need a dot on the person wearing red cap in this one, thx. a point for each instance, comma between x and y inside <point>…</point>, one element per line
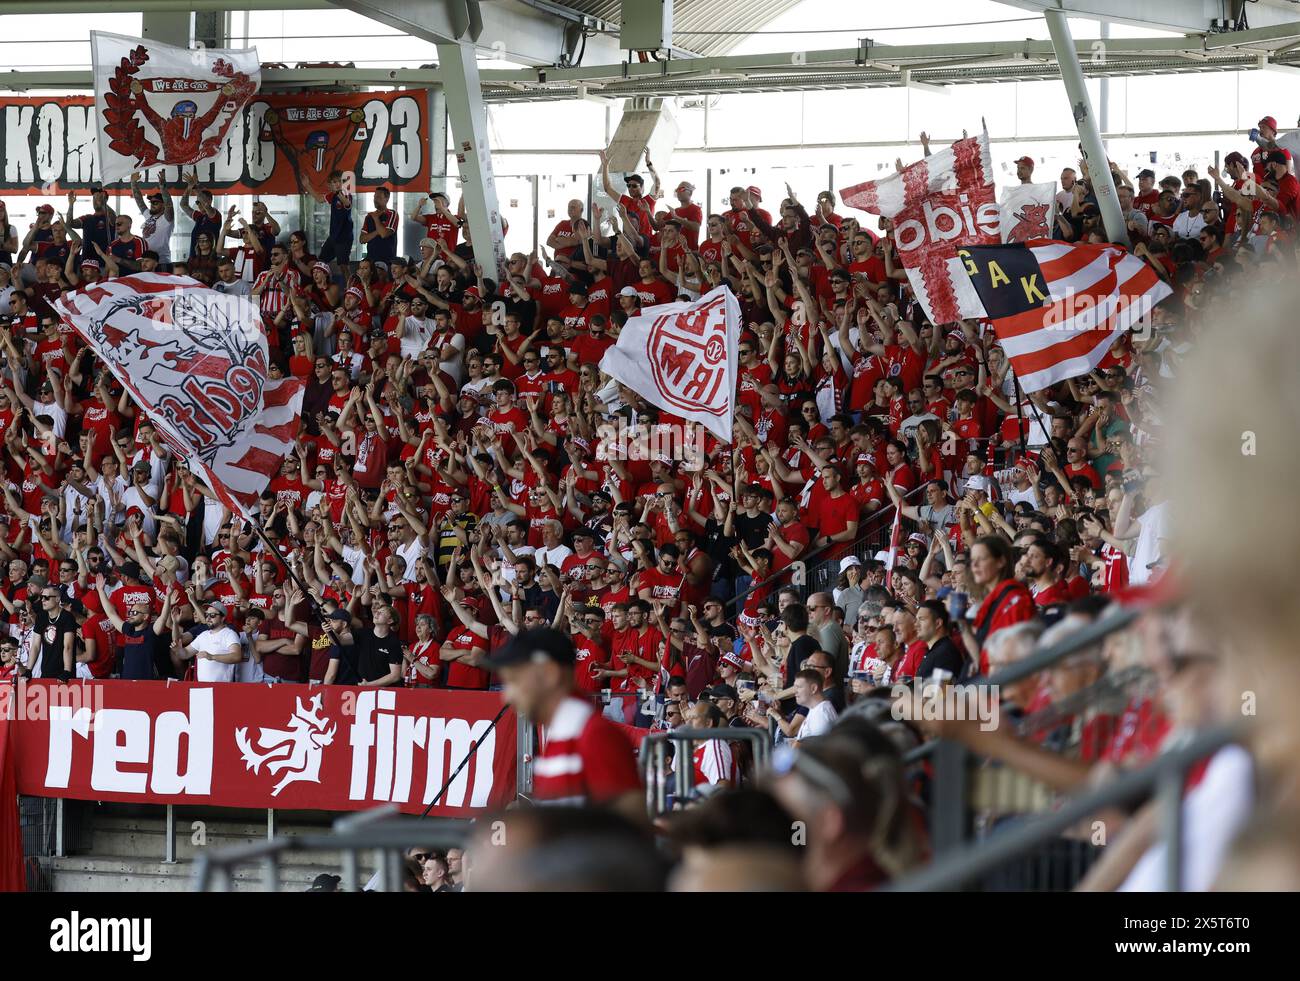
<point>1025,170</point>
<point>1264,136</point>
<point>1286,200</point>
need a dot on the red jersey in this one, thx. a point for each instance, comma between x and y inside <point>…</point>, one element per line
<point>585,759</point>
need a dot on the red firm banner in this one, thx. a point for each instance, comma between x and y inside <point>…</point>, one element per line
<point>281,143</point>
<point>294,747</point>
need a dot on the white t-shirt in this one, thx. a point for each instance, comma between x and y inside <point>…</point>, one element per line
<point>1214,811</point>
<point>157,234</point>
<point>1147,549</point>
<point>412,554</point>
<point>217,641</point>
<point>552,556</point>
<point>250,668</point>
<point>819,720</point>
<point>58,418</point>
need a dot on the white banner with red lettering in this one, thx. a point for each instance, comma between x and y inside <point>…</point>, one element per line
<point>195,361</point>
<point>938,205</point>
<point>1028,211</point>
<point>330,748</point>
<point>157,105</point>
<point>682,358</point>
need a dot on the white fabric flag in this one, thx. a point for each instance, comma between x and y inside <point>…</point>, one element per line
<point>195,361</point>
<point>161,106</point>
<point>682,358</point>
<point>1028,211</point>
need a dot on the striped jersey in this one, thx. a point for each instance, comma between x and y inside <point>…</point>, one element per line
<point>585,758</point>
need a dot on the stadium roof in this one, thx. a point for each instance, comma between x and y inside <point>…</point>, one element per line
<point>706,27</point>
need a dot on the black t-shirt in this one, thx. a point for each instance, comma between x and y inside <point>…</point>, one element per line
<point>376,655</point>
<point>346,655</point>
<point>139,647</point>
<point>942,656</point>
<point>799,651</point>
<point>752,531</point>
<point>52,635</point>
<point>94,228</point>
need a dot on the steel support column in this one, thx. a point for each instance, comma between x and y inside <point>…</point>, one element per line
<point>1094,153</point>
<point>167,27</point>
<point>468,118</point>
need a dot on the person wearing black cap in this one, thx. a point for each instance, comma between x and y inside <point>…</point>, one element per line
<point>1286,201</point>
<point>96,227</point>
<point>159,216</point>
<point>586,759</point>
<point>1147,194</point>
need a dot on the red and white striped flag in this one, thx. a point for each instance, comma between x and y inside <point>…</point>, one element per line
<point>938,205</point>
<point>1057,307</point>
<point>195,361</point>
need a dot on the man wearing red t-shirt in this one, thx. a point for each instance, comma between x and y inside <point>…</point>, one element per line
<point>837,517</point>
<point>585,759</point>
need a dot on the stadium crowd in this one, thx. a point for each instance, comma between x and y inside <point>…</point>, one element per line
<point>466,473</point>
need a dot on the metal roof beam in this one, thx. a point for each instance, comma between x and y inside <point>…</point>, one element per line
<point>508,30</point>
<point>1174,15</point>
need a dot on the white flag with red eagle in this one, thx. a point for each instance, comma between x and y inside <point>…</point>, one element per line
<point>1028,211</point>
<point>682,358</point>
<point>938,205</point>
<point>195,362</point>
<point>161,106</point>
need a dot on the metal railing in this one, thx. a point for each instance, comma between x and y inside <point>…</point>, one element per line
<point>381,830</point>
<point>654,760</point>
<point>1165,776</point>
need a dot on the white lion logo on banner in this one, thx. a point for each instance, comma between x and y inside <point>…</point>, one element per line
<point>296,750</point>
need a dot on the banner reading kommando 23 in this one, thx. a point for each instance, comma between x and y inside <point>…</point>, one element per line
<point>330,748</point>
<point>283,143</point>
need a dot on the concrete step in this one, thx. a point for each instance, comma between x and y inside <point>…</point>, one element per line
<point>148,840</point>
<point>121,873</point>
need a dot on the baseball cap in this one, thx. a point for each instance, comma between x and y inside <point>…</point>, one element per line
<point>1027,161</point>
<point>1268,121</point>
<point>473,291</point>
<point>734,659</point>
<point>723,691</point>
<point>848,562</point>
<point>863,458</point>
<point>916,538</point>
<point>628,291</point>
<point>155,196</point>
<point>1278,157</point>
<point>45,209</point>
<point>754,192</point>
<point>89,263</point>
<point>325,883</point>
<point>1149,173</point>
<point>585,533</point>
<point>1235,157</point>
<point>322,266</point>
<point>219,607</point>
<point>577,289</point>
<point>685,186</point>
<point>340,614</point>
<point>534,646</point>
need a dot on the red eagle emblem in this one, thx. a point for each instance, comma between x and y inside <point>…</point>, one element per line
<point>1031,222</point>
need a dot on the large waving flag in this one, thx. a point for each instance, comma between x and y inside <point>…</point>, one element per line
<point>682,358</point>
<point>1057,307</point>
<point>159,105</point>
<point>938,205</point>
<point>195,362</point>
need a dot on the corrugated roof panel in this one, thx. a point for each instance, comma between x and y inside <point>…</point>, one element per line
<point>701,15</point>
